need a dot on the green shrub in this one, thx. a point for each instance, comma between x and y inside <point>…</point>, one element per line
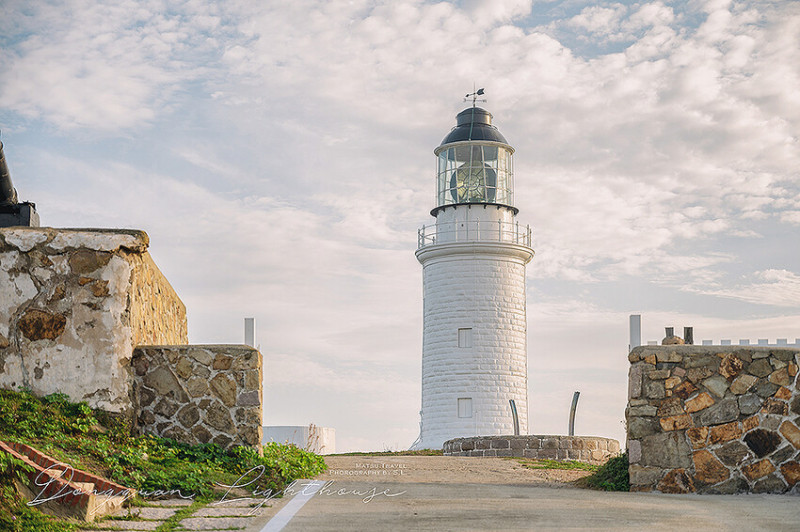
<point>612,476</point>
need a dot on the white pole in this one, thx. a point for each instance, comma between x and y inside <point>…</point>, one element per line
<point>250,332</point>
<point>635,331</point>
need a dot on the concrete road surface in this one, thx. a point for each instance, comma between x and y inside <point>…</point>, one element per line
<point>391,506</point>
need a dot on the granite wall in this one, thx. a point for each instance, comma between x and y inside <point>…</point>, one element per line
<point>589,449</point>
<point>73,304</point>
<point>714,419</point>
<point>199,393</point>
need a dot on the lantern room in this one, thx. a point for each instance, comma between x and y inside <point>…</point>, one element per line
<point>475,163</point>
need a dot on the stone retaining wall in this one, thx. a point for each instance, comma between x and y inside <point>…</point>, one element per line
<point>199,393</point>
<point>589,449</point>
<point>73,304</point>
<point>714,419</point>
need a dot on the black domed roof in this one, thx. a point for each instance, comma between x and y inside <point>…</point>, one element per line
<point>474,123</point>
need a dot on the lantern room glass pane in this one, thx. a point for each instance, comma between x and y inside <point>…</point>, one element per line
<point>474,173</point>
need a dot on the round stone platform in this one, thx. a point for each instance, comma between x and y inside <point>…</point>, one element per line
<point>589,449</point>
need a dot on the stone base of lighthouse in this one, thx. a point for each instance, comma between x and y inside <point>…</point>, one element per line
<point>474,339</point>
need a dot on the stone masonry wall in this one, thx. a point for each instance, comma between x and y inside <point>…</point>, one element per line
<point>714,419</point>
<point>73,303</point>
<point>589,449</point>
<point>199,393</point>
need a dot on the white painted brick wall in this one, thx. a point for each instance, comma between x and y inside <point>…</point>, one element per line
<point>478,285</point>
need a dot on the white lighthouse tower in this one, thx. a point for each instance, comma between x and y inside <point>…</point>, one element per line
<point>474,353</point>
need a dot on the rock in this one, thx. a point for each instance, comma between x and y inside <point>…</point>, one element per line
<point>771,422</point>
<point>639,427</point>
<point>742,383</point>
<point>650,359</point>
<point>780,377</point>
<point>634,451</point>
<point>249,435</point>
<point>197,387</point>
<point>659,374</point>
<point>184,368</point>
<point>676,481</point>
<point>722,412</point>
<point>795,405</point>
<point>760,368</point>
<point>765,389</point>
<point>683,421</point>
<point>3,341</point>
<point>697,436</point>
<point>733,453</point>
<point>146,396</point>
<point>772,406</point>
<point>635,381</point>
<point>188,415</point>
<point>176,433</point>
<point>672,340</point>
<point>666,450</point>
<point>707,469</point>
<point>697,374</point>
<point>41,325</point>
<point>750,423</point>
<point>782,454</point>
<point>146,418</point>
<point>749,404</point>
<point>165,408</point>
<point>201,434</point>
<point>249,399</point>
<point>164,382</point>
<point>201,356</point>
<point>730,487</point>
<point>702,401</point>
<point>140,365</point>
<point>86,261</point>
<point>730,366</point>
<point>791,472</point>
<point>791,433</point>
<point>644,476</point>
<point>684,390</point>
<point>224,388</point>
<point>221,440</point>
<point>100,288</point>
<point>654,390</point>
<point>762,442</point>
<point>642,411</point>
<point>247,360</point>
<point>784,394</point>
<point>222,361</point>
<point>252,379</point>
<point>758,469</point>
<point>671,382</point>
<point>771,484</point>
<point>672,406</point>
<point>726,432</point>
<point>717,385</point>
<point>218,417</point>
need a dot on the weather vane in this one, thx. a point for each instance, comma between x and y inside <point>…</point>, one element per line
<point>474,95</point>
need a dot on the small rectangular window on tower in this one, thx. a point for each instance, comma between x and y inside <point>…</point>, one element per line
<point>465,407</point>
<point>465,338</point>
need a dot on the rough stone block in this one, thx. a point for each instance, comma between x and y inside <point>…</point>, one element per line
<point>683,421</point>
<point>717,385</point>
<point>742,383</point>
<point>791,472</point>
<point>733,453</point>
<point>707,469</point>
<point>722,412</point>
<point>700,402</point>
<point>666,450</point>
<point>726,432</point>
<point>791,433</point>
<point>749,404</point>
<point>697,436</point>
<point>676,481</point>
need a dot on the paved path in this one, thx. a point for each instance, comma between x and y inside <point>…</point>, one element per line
<point>444,493</point>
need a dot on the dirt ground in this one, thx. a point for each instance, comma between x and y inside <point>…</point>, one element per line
<point>445,469</point>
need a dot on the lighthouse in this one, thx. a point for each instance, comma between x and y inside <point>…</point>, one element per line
<point>474,352</point>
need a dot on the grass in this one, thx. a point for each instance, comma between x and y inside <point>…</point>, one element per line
<point>611,476</point>
<point>421,452</point>
<point>102,444</point>
<point>555,464</point>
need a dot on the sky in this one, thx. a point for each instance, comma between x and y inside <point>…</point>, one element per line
<point>280,156</point>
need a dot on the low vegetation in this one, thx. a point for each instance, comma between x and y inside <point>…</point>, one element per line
<point>611,476</point>
<point>556,464</point>
<point>99,443</point>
